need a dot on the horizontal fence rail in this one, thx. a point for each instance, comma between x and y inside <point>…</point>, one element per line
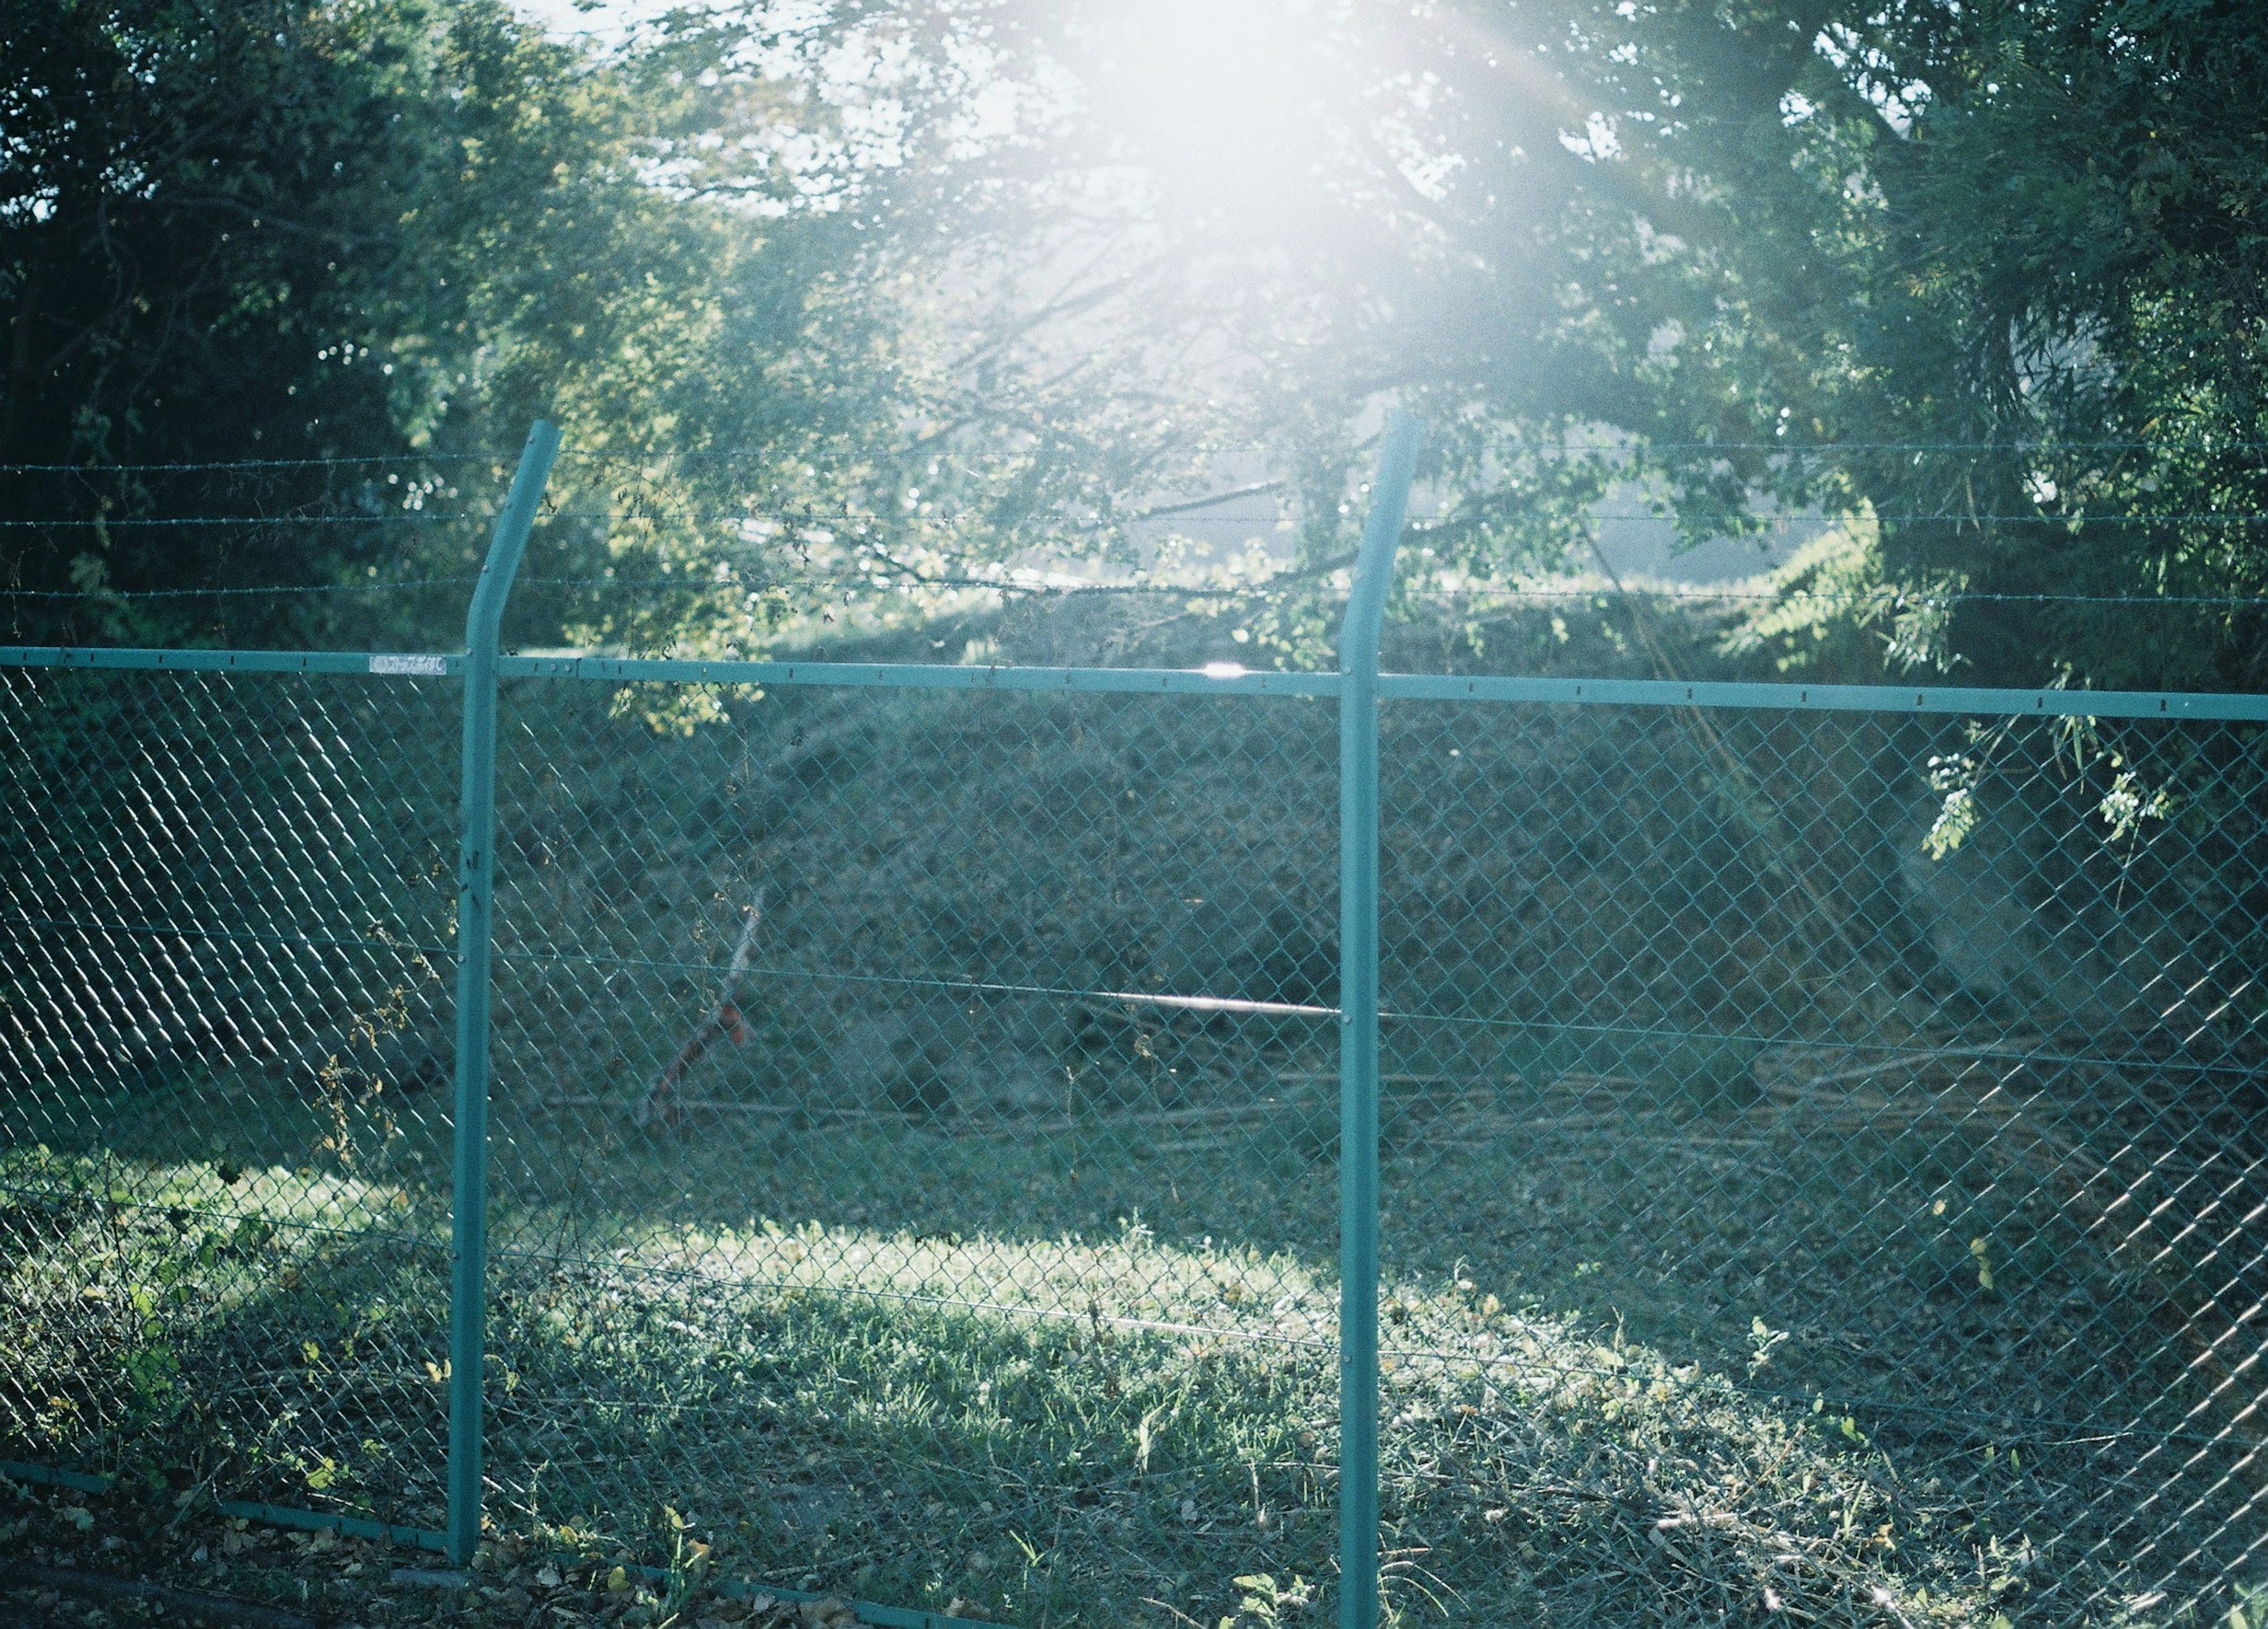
<point>1797,1148</point>
<point>1218,680</point>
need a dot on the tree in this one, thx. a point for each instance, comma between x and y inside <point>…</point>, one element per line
<point>199,213</point>
<point>366,243</point>
<point>1985,281</point>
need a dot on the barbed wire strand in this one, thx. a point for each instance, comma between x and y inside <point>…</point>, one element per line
<point>1626,446</point>
<point>887,582</point>
<point>801,518</point>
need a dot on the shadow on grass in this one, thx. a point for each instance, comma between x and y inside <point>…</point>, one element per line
<point>1059,1371</point>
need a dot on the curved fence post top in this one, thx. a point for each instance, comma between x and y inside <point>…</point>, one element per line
<point>1381,534</point>
<point>484,616</point>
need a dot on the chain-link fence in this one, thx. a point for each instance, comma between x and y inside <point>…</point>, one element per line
<point>931,1179</point>
<point>224,1098</point>
<point>1899,1073</point>
<point>1822,1132</point>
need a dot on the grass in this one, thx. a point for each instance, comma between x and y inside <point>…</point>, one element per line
<point>1083,1371</point>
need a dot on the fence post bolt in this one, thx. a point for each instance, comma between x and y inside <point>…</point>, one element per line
<point>1359,636</point>
<point>475,881</point>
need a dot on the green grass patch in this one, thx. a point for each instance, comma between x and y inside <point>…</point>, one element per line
<point>1083,1370</point>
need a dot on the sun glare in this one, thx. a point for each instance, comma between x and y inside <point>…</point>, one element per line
<point>1213,99</point>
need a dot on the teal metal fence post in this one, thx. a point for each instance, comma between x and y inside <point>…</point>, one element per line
<point>475,881</point>
<point>1366,615</point>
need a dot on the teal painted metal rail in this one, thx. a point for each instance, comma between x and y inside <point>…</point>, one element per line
<point>1359,1069</point>
<point>475,942</point>
<point>1218,681</point>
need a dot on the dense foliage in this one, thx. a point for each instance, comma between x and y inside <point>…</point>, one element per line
<point>1997,271</point>
<point>369,242</point>
<point>1985,282</point>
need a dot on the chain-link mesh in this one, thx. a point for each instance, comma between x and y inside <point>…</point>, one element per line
<point>912,1113</point>
<point>224,1080</point>
<point>1823,1161</point>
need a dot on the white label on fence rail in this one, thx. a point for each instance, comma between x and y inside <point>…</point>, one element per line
<point>434,665</point>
